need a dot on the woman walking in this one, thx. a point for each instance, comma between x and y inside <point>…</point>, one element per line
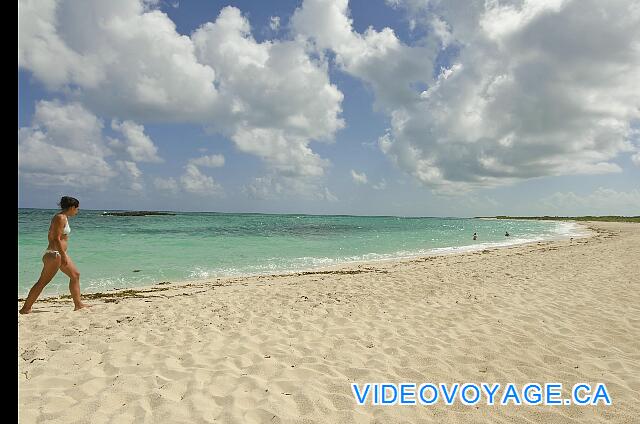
<point>55,256</point>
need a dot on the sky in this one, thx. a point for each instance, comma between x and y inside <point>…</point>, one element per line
<point>397,107</point>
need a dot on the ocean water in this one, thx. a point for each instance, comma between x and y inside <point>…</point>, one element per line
<point>118,252</point>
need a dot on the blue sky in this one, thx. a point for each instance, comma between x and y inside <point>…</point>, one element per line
<point>367,107</point>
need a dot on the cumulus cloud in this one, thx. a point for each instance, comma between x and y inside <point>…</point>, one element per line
<point>124,59</point>
<point>516,94</point>
<point>196,182</point>
<point>523,97</point>
<point>377,57</point>
<point>193,180</point>
<point>274,23</point>
<point>210,161</point>
<point>381,185</point>
<point>359,178</point>
<point>136,143</point>
<point>63,146</point>
<point>287,156</point>
<point>169,185</point>
<point>278,99</point>
<point>362,179</point>
<point>603,201</point>
<point>132,174</point>
<point>262,188</point>
<point>271,187</point>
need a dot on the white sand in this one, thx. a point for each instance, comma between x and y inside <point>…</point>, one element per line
<point>286,348</point>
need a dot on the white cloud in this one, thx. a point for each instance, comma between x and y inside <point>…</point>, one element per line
<point>603,201</point>
<point>278,98</point>
<point>121,58</point>
<point>70,125</point>
<point>273,186</point>
<point>377,57</point>
<point>525,97</point>
<point>328,196</point>
<point>43,51</point>
<point>287,156</point>
<point>359,178</point>
<point>166,184</point>
<point>441,30</point>
<point>132,174</point>
<point>124,59</point>
<point>274,23</point>
<point>362,179</point>
<point>263,188</point>
<point>211,161</point>
<point>63,146</point>
<point>136,143</point>
<point>636,158</point>
<point>380,185</point>
<point>196,182</point>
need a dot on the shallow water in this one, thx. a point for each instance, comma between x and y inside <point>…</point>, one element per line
<point>116,252</point>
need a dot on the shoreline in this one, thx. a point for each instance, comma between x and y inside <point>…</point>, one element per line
<point>287,348</point>
<point>585,231</point>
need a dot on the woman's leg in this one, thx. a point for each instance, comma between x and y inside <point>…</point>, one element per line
<point>49,270</point>
<point>74,282</point>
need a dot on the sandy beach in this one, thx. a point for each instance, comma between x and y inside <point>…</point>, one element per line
<point>286,348</point>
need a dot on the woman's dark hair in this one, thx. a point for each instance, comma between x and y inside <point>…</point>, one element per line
<point>66,202</point>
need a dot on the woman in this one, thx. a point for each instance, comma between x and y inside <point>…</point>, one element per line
<point>55,257</point>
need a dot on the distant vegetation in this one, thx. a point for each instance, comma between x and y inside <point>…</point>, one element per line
<point>611,218</point>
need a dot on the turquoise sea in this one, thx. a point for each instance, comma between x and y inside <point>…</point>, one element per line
<point>117,252</point>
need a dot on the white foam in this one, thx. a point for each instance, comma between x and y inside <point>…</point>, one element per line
<point>570,229</point>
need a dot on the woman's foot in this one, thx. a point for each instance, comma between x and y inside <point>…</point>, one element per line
<point>81,306</point>
<point>24,310</point>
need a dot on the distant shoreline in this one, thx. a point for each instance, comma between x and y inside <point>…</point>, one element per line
<point>603,218</point>
<point>607,218</point>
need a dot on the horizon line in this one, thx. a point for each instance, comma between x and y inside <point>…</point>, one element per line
<point>352,215</point>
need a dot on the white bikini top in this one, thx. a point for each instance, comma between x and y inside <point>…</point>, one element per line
<point>67,229</point>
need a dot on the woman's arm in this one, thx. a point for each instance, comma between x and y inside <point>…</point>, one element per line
<point>55,235</point>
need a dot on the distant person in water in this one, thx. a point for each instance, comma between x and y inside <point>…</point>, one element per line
<point>506,233</point>
<point>55,256</point>
<point>475,236</point>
